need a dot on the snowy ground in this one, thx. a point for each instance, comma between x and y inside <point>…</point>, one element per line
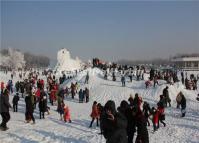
<point>52,130</point>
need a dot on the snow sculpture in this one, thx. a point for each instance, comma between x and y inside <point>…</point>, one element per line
<point>65,62</point>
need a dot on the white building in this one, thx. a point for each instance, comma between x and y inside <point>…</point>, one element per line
<point>186,63</point>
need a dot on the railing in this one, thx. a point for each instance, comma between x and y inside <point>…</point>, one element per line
<point>190,68</point>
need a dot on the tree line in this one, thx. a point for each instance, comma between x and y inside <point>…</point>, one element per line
<point>31,60</point>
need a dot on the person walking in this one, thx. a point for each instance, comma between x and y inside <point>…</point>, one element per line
<point>4,109</point>
<point>123,80</point>
<point>15,102</point>
<point>87,78</point>
<point>29,109</point>
<point>94,114</point>
<point>166,96</point>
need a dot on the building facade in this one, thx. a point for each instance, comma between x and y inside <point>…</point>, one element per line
<point>186,63</point>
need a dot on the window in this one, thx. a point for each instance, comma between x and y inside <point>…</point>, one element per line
<point>188,64</point>
<point>195,64</point>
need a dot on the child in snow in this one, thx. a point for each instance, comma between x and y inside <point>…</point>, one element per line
<point>42,106</point>
<point>67,114</point>
<point>155,118</point>
<point>95,114</point>
<point>15,102</point>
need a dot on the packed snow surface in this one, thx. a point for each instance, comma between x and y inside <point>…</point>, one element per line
<point>52,130</point>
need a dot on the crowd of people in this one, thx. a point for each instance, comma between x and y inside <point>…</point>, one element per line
<point>124,72</point>
<point>117,124</point>
<point>36,94</point>
<point>137,73</point>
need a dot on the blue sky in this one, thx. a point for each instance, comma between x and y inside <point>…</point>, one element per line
<point>110,30</point>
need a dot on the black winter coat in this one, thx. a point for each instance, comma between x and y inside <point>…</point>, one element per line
<point>114,131</point>
<point>42,105</point>
<point>131,121</point>
<point>29,104</point>
<point>161,103</point>
<point>146,110</point>
<point>22,87</point>
<point>4,103</point>
<point>165,93</point>
<point>131,101</point>
<point>183,103</point>
<point>15,99</point>
<point>142,132</point>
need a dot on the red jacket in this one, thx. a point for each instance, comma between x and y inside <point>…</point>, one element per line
<point>156,117</point>
<point>66,113</point>
<point>42,82</point>
<point>95,112</point>
<point>160,110</point>
<point>38,92</point>
<point>56,87</point>
<point>53,94</point>
<point>2,85</point>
